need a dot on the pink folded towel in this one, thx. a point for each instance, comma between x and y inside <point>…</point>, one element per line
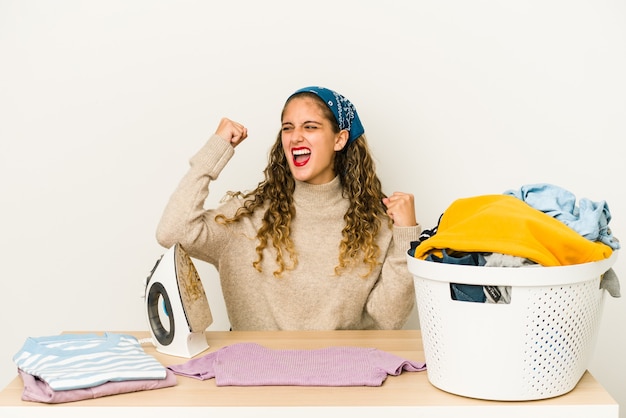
<point>250,364</point>
<point>36,390</point>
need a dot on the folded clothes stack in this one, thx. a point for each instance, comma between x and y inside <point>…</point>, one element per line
<point>73,367</point>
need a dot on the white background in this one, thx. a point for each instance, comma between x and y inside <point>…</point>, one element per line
<point>103,102</point>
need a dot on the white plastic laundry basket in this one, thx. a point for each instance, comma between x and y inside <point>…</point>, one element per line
<point>538,346</point>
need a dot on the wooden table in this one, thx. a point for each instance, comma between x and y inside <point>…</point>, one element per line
<point>409,394</point>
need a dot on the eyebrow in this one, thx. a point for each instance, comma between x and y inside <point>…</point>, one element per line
<point>303,123</point>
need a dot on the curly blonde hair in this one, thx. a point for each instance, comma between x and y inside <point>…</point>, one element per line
<point>357,174</point>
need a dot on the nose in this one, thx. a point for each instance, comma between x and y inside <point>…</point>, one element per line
<point>297,135</point>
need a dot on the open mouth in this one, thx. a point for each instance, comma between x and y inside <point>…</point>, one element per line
<point>301,156</point>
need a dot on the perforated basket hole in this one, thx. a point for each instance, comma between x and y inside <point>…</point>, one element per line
<point>561,326</point>
<point>431,327</point>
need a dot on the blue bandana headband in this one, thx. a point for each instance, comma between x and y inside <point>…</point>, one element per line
<point>342,108</point>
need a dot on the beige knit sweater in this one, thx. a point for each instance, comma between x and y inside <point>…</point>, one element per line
<point>311,297</point>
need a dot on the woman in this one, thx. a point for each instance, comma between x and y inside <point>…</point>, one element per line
<point>317,245</point>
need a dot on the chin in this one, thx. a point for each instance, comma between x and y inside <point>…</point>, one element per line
<point>304,179</point>
<point>297,174</point>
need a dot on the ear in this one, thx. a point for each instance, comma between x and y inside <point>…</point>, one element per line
<point>341,139</point>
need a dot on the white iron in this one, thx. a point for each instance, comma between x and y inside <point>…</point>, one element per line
<point>176,305</point>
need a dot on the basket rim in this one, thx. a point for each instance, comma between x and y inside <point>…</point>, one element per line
<point>533,275</point>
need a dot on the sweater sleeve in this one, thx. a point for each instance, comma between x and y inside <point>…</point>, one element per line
<point>184,218</point>
<point>201,368</point>
<point>393,297</point>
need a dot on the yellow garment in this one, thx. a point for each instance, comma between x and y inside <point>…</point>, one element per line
<point>507,225</point>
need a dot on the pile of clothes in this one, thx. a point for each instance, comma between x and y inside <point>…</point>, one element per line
<point>537,224</point>
<point>73,367</point>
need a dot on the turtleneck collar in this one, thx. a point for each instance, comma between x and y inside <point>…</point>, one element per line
<point>318,195</point>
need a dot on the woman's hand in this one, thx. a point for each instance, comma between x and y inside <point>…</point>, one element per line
<point>401,209</point>
<point>232,131</point>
